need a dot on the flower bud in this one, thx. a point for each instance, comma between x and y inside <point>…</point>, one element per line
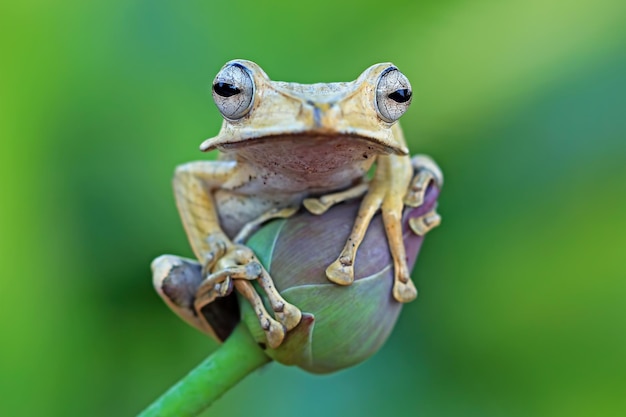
<point>341,326</point>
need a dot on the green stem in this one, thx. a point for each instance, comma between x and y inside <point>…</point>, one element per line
<point>236,358</point>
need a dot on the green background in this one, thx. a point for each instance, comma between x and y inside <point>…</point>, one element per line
<point>522,306</point>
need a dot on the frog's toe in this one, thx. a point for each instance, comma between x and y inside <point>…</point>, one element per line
<point>175,279</point>
<point>341,271</point>
<point>417,190</point>
<point>274,333</point>
<point>404,292</point>
<point>426,172</point>
<point>426,163</point>
<point>315,206</point>
<point>224,288</point>
<point>161,268</point>
<point>422,225</point>
<point>289,316</point>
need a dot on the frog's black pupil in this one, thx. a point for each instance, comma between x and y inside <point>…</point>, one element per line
<point>401,96</point>
<point>225,89</point>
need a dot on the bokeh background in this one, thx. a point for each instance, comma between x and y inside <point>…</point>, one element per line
<point>522,306</point>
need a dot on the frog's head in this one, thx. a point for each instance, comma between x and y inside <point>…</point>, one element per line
<point>255,107</point>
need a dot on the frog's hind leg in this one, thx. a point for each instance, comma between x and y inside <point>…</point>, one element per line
<point>322,204</point>
<point>176,280</point>
<point>342,270</point>
<point>386,192</point>
<point>226,264</point>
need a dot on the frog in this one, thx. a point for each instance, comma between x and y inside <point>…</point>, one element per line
<point>285,147</point>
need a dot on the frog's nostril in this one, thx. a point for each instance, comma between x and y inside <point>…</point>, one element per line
<point>318,110</point>
<point>317,116</point>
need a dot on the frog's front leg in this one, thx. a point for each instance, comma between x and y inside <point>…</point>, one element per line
<point>237,270</point>
<point>391,188</point>
<point>194,185</point>
<point>386,192</point>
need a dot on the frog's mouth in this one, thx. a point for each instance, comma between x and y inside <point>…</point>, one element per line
<point>314,160</point>
<point>381,144</point>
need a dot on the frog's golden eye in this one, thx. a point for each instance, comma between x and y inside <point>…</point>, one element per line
<point>393,95</point>
<point>233,91</point>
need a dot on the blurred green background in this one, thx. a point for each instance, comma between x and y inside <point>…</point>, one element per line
<point>522,306</point>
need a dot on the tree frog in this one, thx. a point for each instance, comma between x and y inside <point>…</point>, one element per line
<point>283,147</point>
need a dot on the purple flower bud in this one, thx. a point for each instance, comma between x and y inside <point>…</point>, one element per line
<point>341,326</point>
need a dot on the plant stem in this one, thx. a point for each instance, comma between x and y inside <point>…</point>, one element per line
<point>223,369</point>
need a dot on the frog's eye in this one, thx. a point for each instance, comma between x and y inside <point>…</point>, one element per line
<point>393,95</point>
<point>233,91</point>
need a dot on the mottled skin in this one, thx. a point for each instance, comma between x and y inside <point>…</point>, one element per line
<point>284,145</point>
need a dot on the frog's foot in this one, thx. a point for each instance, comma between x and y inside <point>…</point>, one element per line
<point>176,280</point>
<point>249,228</point>
<point>286,313</point>
<point>422,225</point>
<point>274,331</point>
<point>218,283</point>
<point>238,267</point>
<point>322,204</point>
<point>404,290</point>
<point>426,171</point>
<point>341,271</point>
